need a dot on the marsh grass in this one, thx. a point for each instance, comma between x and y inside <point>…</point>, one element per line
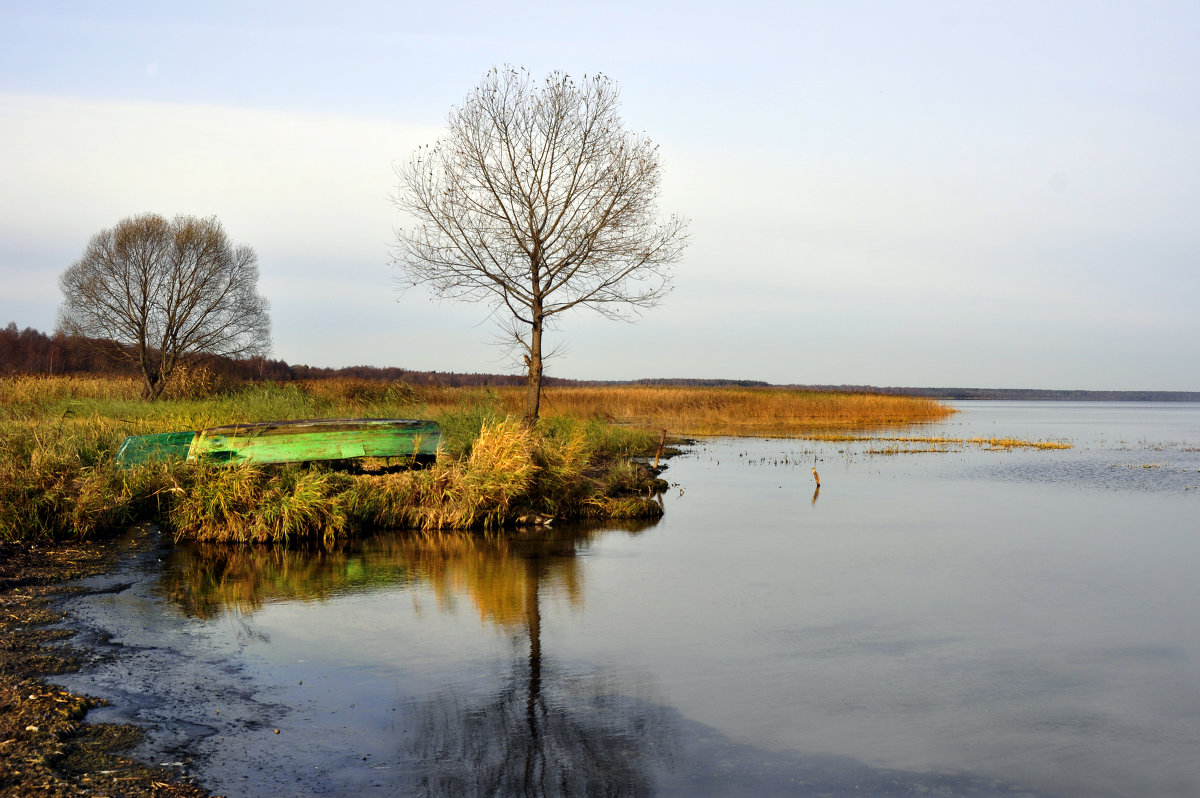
<point>246,503</point>
<point>59,437</point>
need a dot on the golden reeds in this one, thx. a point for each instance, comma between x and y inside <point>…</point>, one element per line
<point>769,412</point>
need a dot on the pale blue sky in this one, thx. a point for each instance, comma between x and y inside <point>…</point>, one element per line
<point>1001,194</point>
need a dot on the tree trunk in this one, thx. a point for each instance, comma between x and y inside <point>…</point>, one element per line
<point>533,384</point>
<point>153,384</point>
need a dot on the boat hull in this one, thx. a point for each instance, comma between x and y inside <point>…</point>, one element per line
<point>300,441</point>
<point>141,449</point>
<point>317,439</point>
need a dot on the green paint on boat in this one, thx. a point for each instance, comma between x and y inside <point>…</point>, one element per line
<point>140,449</point>
<point>299,441</point>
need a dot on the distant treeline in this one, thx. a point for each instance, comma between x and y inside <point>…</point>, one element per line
<point>29,351</point>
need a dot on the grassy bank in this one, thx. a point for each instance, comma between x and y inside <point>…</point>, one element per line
<point>58,437</point>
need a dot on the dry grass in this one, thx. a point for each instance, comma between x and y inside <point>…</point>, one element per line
<point>481,491</point>
<point>18,392</point>
<point>743,411</point>
<point>510,473</point>
<point>772,412</point>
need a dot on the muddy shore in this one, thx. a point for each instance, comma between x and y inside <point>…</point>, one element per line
<point>46,748</point>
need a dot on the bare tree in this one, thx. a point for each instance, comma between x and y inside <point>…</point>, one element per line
<point>538,201</point>
<point>167,291</point>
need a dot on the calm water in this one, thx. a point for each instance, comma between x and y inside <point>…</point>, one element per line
<point>962,622</point>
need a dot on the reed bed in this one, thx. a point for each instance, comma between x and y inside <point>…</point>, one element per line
<point>770,412</point>
<point>511,475</point>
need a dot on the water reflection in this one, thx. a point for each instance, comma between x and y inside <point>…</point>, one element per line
<point>208,579</point>
<point>205,580</point>
<point>573,735</point>
<point>543,730</point>
<point>546,731</point>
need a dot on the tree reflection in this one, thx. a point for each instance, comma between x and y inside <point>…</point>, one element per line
<point>546,732</point>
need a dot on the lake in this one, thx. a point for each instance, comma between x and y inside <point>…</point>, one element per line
<point>969,621</point>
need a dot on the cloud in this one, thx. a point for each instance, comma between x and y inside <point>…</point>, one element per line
<point>308,192</point>
<point>74,165</point>
<point>968,255</point>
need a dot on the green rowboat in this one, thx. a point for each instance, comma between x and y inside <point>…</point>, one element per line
<point>298,441</point>
<point>139,449</point>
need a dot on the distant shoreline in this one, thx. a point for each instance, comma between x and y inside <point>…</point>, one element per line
<point>1012,394</point>
<point>1033,394</point>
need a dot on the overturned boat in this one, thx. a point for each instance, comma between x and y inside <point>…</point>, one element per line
<point>297,441</point>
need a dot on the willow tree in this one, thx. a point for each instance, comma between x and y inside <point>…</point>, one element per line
<point>167,291</point>
<point>537,201</point>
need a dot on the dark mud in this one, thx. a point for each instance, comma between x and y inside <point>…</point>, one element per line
<point>46,748</point>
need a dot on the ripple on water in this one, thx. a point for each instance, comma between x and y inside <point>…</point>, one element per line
<point>1143,471</point>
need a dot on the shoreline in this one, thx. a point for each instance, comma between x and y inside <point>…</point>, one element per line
<point>47,747</point>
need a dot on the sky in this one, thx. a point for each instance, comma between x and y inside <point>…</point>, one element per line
<point>942,194</point>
